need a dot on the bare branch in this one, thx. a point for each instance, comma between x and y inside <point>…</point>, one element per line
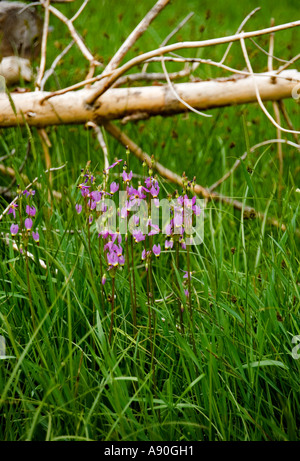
<point>42,67</point>
<point>238,31</point>
<point>289,63</point>
<point>288,120</point>
<point>177,46</point>
<point>50,71</point>
<point>172,33</point>
<point>177,28</point>
<point>243,157</point>
<point>118,103</point>
<point>77,39</point>
<point>136,34</point>
<point>214,63</point>
<point>265,52</point>
<point>148,76</point>
<point>177,95</point>
<point>244,49</point>
<point>79,11</point>
<point>101,141</point>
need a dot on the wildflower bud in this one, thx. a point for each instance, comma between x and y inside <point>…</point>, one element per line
<point>28,224</point>
<point>144,164</point>
<point>36,237</point>
<point>103,280</point>
<point>14,228</point>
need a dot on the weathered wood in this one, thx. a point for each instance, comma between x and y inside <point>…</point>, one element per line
<point>70,108</point>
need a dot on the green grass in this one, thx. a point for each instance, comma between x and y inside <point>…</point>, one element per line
<point>237,380</point>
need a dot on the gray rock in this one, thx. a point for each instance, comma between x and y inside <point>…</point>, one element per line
<point>20,30</point>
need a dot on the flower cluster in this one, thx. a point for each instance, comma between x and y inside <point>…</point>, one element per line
<point>25,226</point>
<point>183,209</point>
<point>113,251</point>
<point>140,225</point>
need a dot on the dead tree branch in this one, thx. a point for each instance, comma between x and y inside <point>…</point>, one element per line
<point>118,103</point>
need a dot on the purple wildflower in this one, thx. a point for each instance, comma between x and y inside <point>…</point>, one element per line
<point>35,236</point>
<point>154,230</point>
<point>149,182</point>
<point>116,236</point>
<point>96,195</point>
<point>121,260</point>
<point>169,228</point>
<point>92,204</point>
<point>14,228</point>
<point>103,207</point>
<point>114,164</point>
<point>156,250</point>
<point>169,244</point>
<point>156,202</point>
<point>154,191</point>
<point>114,187</point>
<point>112,259</point>
<point>84,190</point>
<point>78,208</point>
<point>135,220</point>
<point>110,246</point>
<point>30,210</point>
<point>28,223</point>
<point>196,210</point>
<point>12,209</point>
<point>138,235</point>
<point>28,193</point>
<point>186,274</point>
<point>127,176</point>
<point>104,234</point>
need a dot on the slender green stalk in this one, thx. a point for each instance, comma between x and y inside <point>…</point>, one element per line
<point>29,289</point>
<point>190,298</point>
<point>177,266</point>
<point>112,309</point>
<point>130,286</point>
<point>101,273</point>
<point>133,274</point>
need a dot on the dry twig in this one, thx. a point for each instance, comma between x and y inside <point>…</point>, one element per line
<point>95,94</point>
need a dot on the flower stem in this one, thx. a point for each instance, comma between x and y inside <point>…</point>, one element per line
<point>179,303</point>
<point>130,286</point>
<point>152,315</point>
<point>190,298</point>
<point>29,289</point>
<point>101,274</point>
<point>134,288</point>
<point>112,310</point>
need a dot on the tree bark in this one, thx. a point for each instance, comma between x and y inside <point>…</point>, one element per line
<point>117,103</point>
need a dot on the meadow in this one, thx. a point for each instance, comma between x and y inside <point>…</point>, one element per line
<point>161,343</point>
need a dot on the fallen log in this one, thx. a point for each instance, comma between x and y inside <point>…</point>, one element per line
<point>117,103</point>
